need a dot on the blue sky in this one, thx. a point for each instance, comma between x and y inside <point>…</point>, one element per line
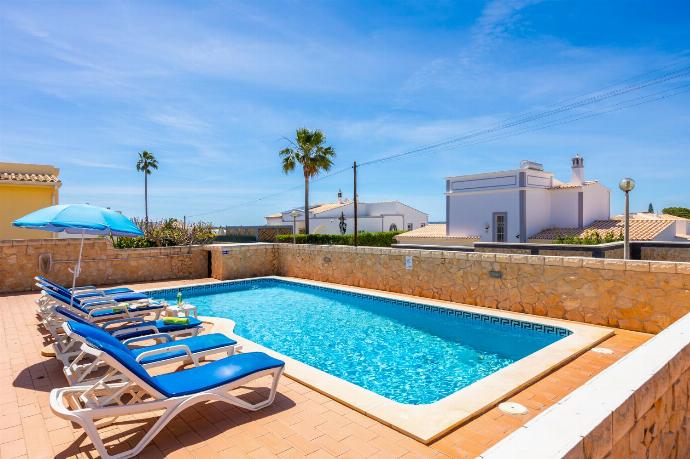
<point>211,88</point>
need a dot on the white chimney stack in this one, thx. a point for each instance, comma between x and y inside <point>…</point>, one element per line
<point>340,196</point>
<point>578,167</point>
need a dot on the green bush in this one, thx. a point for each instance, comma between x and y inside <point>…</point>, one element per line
<point>165,233</point>
<point>683,212</point>
<point>591,238</point>
<point>382,239</point>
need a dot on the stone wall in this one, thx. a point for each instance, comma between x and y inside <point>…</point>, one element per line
<point>665,253</point>
<point>239,261</point>
<point>610,250</point>
<point>261,233</point>
<point>638,407</point>
<point>21,260</point>
<point>635,295</point>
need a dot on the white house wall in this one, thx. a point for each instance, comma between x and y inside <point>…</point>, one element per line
<point>564,205</point>
<point>668,234</point>
<point>538,213</point>
<point>470,213</point>
<point>597,202</point>
<point>369,224</point>
<point>372,217</point>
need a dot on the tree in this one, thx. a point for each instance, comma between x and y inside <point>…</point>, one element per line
<point>650,209</point>
<point>309,152</point>
<point>146,163</point>
<point>683,212</point>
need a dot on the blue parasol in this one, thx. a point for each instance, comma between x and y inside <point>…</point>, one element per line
<point>79,219</point>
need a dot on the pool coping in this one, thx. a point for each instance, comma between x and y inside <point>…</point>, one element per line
<point>427,423</point>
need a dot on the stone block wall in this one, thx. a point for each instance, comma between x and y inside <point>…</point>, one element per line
<point>655,420</point>
<point>21,260</point>
<point>239,261</point>
<point>635,295</point>
<point>665,253</point>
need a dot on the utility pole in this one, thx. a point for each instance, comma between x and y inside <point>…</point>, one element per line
<point>354,168</point>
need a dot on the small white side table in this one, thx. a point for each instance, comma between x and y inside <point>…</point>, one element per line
<point>185,310</point>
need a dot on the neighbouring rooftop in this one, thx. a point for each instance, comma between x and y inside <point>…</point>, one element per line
<point>432,230</point>
<point>640,230</point>
<point>28,173</point>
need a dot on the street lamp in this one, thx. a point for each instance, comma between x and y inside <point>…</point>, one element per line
<point>294,215</point>
<point>627,185</point>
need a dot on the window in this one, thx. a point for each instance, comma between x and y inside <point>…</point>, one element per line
<point>393,227</point>
<point>409,227</point>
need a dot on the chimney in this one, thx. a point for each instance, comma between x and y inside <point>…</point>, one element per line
<point>578,167</point>
<point>340,196</point>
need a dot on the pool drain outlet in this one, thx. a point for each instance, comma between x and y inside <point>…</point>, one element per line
<point>512,408</point>
<point>602,350</point>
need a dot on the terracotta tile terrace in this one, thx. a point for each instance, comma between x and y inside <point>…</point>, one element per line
<point>301,422</point>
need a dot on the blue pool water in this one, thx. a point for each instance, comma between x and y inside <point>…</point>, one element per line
<point>407,352</point>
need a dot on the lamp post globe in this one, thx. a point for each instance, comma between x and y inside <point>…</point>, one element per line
<point>627,184</point>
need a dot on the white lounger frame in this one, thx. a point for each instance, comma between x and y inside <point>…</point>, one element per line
<point>104,399</point>
<point>84,364</point>
<point>67,348</point>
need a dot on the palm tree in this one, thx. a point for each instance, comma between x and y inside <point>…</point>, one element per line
<point>146,163</point>
<point>314,157</point>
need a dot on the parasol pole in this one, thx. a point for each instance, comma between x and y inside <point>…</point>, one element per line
<point>77,269</point>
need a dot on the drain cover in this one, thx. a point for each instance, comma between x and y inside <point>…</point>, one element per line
<point>512,408</point>
<point>602,350</point>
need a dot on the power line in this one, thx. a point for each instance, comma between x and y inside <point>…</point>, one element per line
<point>520,120</point>
<point>665,94</point>
<point>541,115</point>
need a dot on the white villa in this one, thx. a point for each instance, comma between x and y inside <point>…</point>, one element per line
<point>509,206</point>
<point>372,216</point>
<point>531,205</point>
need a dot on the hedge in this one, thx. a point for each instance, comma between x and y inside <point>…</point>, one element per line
<point>382,239</point>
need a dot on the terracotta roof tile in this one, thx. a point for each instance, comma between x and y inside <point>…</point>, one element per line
<point>327,207</point>
<point>432,230</point>
<point>640,230</point>
<point>28,177</point>
<point>562,186</point>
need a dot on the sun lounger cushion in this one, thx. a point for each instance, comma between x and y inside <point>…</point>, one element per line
<point>116,290</point>
<point>191,381</point>
<point>214,374</point>
<point>116,311</point>
<point>119,298</point>
<point>137,327</point>
<point>63,289</point>
<point>162,328</point>
<point>196,344</point>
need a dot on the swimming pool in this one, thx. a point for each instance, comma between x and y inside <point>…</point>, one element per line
<point>408,352</point>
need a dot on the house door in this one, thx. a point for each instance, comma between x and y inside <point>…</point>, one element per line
<point>500,226</point>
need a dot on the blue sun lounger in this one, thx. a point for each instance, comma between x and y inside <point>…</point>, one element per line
<point>138,392</point>
<point>84,288</point>
<point>186,350</point>
<point>98,309</point>
<point>117,294</point>
<point>66,349</point>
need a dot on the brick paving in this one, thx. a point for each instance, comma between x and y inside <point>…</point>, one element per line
<point>301,423</point>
